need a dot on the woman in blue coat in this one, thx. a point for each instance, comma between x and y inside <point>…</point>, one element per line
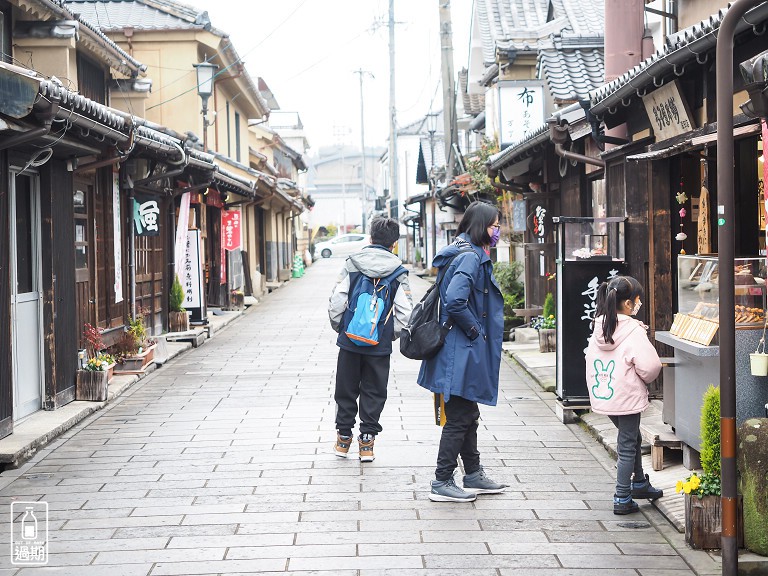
<point>466,370</point>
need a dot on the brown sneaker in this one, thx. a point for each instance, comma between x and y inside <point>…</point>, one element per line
<point>341,448</point>
<point>366,447</point>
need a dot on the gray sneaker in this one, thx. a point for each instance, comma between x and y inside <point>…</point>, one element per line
<point>479,483</point>
<point>447,491</point>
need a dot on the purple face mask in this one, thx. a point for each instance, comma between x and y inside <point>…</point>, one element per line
<point>495,236</point>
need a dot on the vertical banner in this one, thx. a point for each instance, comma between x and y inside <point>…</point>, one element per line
<point>181,236</point>
<point>117,237</point>
<point>231,237</point>
<point>146,212</point>
<point>192,277</point>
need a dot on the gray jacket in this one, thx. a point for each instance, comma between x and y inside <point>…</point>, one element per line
<point>375,262</point>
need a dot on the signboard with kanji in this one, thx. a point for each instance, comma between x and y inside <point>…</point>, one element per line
<point>521,110</point>
<point>192,282</point>
<point>230,229</point>
<point>668,112</point>
<point>146,215</point>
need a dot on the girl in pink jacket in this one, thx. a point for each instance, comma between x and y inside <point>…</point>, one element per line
<point>620,363</point>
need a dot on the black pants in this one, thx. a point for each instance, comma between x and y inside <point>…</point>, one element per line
<point>365,377</point>
<point>459,438</point>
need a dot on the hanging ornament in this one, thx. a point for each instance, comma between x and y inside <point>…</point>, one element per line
<point>681,198</point>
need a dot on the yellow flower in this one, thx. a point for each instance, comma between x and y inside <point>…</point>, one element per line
<point>687,487</point>
<point>98,362</point>
<point>695,482</point>
<point>679,487</point>
<point>551,316</point>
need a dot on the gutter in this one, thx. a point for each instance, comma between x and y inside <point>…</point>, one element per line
<point>674,60</point>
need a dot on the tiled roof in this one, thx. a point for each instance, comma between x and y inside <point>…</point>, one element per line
<point>520,150</point>
<point>117,14</point>
<point>473,103</point>
<point>679,49</point>
<point>572,73</point>
<point>525,24</point>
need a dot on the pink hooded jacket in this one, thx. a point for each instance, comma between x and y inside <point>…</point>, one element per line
<point>618,373</point>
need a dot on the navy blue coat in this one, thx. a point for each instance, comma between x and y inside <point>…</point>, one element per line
<point>469,294</point>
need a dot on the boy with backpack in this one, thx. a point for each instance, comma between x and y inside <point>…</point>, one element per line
<point>369,306</point>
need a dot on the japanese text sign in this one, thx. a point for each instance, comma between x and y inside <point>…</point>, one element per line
<point>146,212</point>
<point>230,229</point>
<point>521,110</point>
<point>668,112</point>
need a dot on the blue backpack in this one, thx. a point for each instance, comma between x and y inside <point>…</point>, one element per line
<point>368,301</point>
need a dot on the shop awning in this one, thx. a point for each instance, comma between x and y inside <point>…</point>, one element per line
<point>418,198</point>
<point>693,143</point>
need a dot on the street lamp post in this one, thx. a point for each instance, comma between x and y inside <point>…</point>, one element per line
<point>205,73</point>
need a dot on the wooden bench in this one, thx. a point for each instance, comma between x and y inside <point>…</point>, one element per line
<point>528,313</point>
<point>659,435</point>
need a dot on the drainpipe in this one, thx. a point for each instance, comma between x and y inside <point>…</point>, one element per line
<point>156,177</point>
<point>559,136</point>
<point>726,214</point>
<point>25,137</point>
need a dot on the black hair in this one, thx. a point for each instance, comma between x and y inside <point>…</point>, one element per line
<point>610,295</point>
<point>477,218</point>
<point>384,231</point>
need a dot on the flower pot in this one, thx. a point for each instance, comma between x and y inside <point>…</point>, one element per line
<point>110,372</point>
<point>703,523</point>
<point>137,362</point>
<point>178,321</point>
<point>547,339</point>
<point>92,385</point>
<point>758,363</point>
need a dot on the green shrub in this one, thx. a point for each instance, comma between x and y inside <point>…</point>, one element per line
<point>507,276</point>
<point>549,306</point>
<point>710,431</point>
<point>176,296</point>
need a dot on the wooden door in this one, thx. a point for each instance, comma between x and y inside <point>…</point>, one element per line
<point>83,199</point>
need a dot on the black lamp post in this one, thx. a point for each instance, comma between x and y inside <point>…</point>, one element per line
<point>205,73</point>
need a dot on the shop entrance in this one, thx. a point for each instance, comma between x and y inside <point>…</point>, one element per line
<point>26,294</point>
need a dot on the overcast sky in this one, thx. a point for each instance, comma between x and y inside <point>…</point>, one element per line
<point>307,51</point>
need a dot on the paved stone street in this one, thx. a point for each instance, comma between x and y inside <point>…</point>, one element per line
<point>221,463</point>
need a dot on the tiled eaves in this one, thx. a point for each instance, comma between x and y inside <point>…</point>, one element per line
<point>693,43</point>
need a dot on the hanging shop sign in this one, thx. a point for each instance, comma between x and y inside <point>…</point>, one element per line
<point>192,280</point>
<point>668,111</point>
<point>181,235</point>
<point>213,198</point>
<point>231,238</point>
<point>117,241</point>
<point>520,110</point>
<point>146,212</point>
<point>518,216</point>
<point>539,222</point>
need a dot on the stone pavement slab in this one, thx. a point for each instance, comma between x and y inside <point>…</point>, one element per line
<point>222,463</point>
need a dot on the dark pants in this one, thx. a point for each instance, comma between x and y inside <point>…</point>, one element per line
<point>630,459</point>
<point>365,377</point>
<point>459,438</point>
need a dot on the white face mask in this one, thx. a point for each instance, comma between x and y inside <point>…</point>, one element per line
<point>636,308</point>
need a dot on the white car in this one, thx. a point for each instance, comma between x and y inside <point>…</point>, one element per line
<point>341,245</point>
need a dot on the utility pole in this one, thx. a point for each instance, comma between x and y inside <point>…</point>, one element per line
<point>449,106</point>
<point>393,193</point>
<point>360,72</point>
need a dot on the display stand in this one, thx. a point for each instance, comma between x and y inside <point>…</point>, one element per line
<point>590,251</point>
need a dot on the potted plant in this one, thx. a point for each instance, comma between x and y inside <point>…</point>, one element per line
<point>178,319</point>
<point>93,378</point>
<point>703,526</point>
<point>547,324</point>
<point>135,350</point>
<point>96,352</point>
